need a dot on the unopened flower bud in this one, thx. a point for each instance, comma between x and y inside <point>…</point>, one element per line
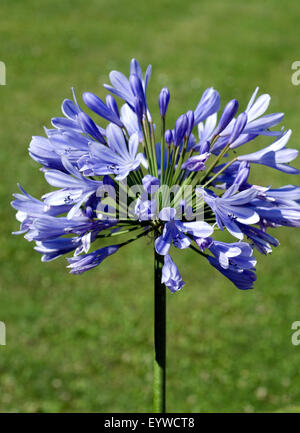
<point>227,116</point>
<point>163,101</point>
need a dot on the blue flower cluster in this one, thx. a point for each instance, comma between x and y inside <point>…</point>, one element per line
<point>111,169</point>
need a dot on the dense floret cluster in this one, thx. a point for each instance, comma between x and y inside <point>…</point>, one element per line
<point>118,174</point>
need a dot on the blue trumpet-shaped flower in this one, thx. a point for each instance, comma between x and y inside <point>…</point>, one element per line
<point>129,89</point>
<point>255,110</point>
<point>29,207</point>
<point>231,208</point>
<point>116,158</point>
<point>208,105</point>
<point>276,155</point>
<point>238,254</point>
<point>259,238</point>
<point>176,231</point>
<point>100,108</point>
<point>196,162</point>
<point>76,189</point>
<point>243,279</point>
<point>53,248</point>
<point>85,262</point>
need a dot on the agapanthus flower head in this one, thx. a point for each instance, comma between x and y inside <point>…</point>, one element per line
<point>120,174</point>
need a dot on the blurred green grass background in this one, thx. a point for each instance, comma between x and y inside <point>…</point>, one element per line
<point>84,343</point>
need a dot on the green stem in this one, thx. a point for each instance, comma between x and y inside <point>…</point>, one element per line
<point>180,161</point>
<point>159,372</point>
<point>162,150</point>
<point>219,172</point>
<point>219,157</point>
<point>152,136</point>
